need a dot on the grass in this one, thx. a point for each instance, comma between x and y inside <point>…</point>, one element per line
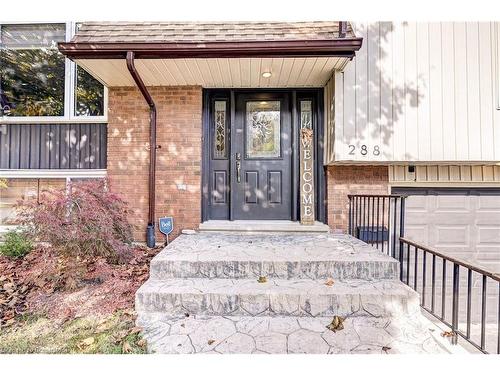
<point>113,334</point>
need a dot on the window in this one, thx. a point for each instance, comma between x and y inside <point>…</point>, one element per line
<point>220,130</point>
<point>14,190</point>
<point>89,95</point>
<point>38,81</point>
<point>32,70</point>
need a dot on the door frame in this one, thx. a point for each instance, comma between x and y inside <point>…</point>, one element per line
<point>295,94</point>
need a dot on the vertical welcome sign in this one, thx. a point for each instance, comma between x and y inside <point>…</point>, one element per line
<point>306,164</point>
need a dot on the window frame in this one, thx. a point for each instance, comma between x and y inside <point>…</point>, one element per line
<point>496,53</point>
<point>69,89</point>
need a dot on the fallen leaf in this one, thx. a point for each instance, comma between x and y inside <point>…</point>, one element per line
<point>262,279</point>
<point>126,348</point>
<point>336,324</point>
<point>135,330</point>
<point>447,334</point>
<point>88,341</point>
<point>210,342</point>
<point>141,343</point>
<point>329,282</point>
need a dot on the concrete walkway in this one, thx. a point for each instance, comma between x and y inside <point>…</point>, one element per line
<point>204,296</point>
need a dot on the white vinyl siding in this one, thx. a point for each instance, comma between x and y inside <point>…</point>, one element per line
<point>423,92</point>
<point>445,175</point>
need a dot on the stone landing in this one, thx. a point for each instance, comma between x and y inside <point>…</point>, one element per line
<point>204,296</point>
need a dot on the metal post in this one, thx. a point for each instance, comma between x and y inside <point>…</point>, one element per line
<point>401,220</point>
<point>350,217</point>
<point>454,315</point>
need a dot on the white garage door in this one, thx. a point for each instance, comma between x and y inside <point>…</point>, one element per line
<point>461,222</point>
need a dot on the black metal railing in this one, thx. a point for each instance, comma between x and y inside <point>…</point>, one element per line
<point>459,294</point>
<point>415,261</point>
<point>377,220</point>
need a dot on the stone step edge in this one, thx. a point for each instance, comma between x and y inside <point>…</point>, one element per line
<point>218,286</point>
<point>282,269</point>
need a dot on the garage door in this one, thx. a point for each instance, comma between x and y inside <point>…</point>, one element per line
<point>460,222</point>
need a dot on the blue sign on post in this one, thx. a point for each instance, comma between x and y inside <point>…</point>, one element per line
<point>166,225</point>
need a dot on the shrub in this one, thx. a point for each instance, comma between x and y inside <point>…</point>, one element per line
<point>85,222</point>
<point>16,244</point>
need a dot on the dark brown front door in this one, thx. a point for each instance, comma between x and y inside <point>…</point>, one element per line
<point>261,157</point>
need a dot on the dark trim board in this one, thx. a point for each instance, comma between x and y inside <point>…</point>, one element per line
<point>314,94</point>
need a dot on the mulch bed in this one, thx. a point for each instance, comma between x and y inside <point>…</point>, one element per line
<point>30,285</point>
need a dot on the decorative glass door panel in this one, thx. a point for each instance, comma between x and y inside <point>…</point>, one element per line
<point>263,129</point>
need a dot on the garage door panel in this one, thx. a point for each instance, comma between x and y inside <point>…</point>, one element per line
<point>452,236</point>
<point>488,234</point>
<point>417,204</point>
<point>451,218</point>
<point>489,203</point>
<point>417,231</point>
<point>452,203</point>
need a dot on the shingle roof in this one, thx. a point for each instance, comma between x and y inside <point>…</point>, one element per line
<point>199,32</point>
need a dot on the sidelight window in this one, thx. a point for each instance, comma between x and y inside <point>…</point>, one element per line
<point>220,130</point>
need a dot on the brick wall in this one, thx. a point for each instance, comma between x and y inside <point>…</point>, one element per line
<point>344,180</point>
<point>178,168</point>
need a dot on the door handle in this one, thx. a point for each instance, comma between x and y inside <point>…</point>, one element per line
<point>238,167</point>
<point>238,171</point>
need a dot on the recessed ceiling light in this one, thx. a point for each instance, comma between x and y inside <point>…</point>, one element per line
<point>266,74</point>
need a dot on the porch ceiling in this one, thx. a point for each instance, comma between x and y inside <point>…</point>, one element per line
<point>219,72</point>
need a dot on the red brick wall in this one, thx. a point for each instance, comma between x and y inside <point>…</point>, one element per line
<point>178,168</point>
<point>343,180</point>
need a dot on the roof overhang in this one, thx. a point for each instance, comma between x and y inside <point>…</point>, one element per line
<point>293,63</point>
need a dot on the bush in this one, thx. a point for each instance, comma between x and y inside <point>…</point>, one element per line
<point>88,221</point>
<point>16,244</point>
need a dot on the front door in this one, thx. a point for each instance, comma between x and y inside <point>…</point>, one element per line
<point>261,157</point>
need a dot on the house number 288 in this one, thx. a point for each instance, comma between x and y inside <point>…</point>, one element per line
<point>363,150</point>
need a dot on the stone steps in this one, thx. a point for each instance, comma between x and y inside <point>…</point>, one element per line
<point>310,256</point>
<point>212,279</point>
<point>290,335</point>
<point>276,297</point>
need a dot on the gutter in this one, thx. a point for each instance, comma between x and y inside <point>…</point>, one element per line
<point>150,229</point>
<point>343,47</point>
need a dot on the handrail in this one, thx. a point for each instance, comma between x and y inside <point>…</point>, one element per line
<point>482,271</point>
<point>418,282</point>
<point>377,195</point>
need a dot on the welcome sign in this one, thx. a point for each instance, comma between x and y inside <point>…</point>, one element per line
<point>306,164</point>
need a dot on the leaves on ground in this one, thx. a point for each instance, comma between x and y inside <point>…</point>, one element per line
<point>113,334</point>
<point>447,334</point>
<point>127,349</point>
<point>210,342</point>
<point>336,324</point>
<point>88,341</point>
<point>262,279</point>
<point>36,316</point>
<point>329,282</point>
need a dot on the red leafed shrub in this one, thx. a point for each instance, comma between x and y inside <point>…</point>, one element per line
<point>85,222</point>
